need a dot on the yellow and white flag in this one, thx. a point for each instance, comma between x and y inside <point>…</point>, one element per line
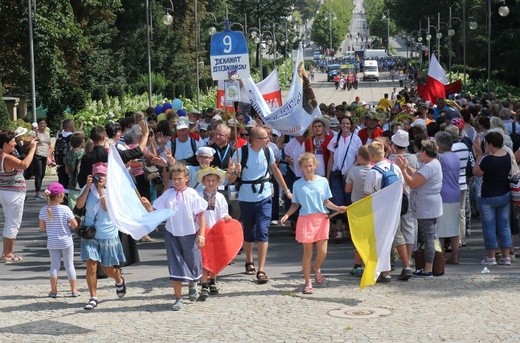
<point>373,222</point>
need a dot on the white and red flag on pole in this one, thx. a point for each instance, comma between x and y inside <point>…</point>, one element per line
<point>269,87</point>
<point>436,84</point>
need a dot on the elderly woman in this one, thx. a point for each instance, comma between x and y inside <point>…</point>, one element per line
<point>448,223</point>
<point>43,156</point>
<point>495,200</point>
<point>12,191</point>
<point>105,247</point>
<point>426,201</point>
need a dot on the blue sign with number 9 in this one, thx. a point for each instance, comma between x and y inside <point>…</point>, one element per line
<point>228,42</point>
<point>229,55</point>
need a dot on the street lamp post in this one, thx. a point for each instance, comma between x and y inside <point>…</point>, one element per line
<point>31,50</point>
<point>451,33</point>
<point>429,38</point>
<point>387,15</point>
<point>167,20</point>
<point>503,11</point>
<point>438,35</point>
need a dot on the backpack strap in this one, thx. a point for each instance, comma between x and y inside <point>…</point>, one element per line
<point>193,145</point>
<point>261,180</point>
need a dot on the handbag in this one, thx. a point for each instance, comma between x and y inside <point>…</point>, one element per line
<point>151,172</point>
<point>86,231</point>
<point>439,262</point>
<point>514,185</point>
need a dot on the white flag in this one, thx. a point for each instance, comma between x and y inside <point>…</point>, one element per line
<point>123,204</point>
<point>297,112</point>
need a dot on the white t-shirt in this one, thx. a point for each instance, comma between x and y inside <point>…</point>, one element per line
<point>350,143</point>
<point>374,177</point>
<point>184,150</point>
<point>58,231</point>
<point>257,166</point>
<point>213,215</point>
<point>186,205</point>
<point>294,149</point>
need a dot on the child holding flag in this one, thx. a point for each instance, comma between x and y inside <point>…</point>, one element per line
<point>355,184</point>
<point>185,231</point>
<point>312,192</point>
<point>217,209</point>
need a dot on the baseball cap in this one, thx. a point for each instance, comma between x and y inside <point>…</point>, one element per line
<point>182,125</point>
<point>56,188</point>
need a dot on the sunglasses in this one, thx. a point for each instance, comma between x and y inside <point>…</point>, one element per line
<point>244,135</point>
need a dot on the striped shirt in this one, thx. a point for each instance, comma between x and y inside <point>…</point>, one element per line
<point>462,152</point>
<point>59,235</point>
<point>13,180</point>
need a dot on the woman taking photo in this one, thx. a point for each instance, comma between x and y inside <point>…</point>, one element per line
<point>105,247</point>
<point>12,191</point>
<point>426,201</point>
<point>495,199</point>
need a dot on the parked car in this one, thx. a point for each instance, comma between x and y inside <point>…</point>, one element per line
<point>332,70</point>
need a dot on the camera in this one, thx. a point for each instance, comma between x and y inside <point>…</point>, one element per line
<point>96,179</point>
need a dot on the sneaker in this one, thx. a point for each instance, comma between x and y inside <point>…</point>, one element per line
<point>468,232</point>
<point>204,294</point>
<point>505,261</point>
<point>489,261</point>
<point>406,274</point>
<point>274,222</point>
<point>192,293</point>
<point>512,257</point>
<point>423,274</point>
<point>357,271</point>
<point>177,306</point>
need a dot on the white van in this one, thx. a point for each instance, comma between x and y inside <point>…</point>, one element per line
<point>370,70</point>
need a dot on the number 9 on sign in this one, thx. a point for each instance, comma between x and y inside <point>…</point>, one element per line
<point>228,43</point>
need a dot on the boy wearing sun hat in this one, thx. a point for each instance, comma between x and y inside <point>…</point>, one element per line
<point>217,210</point>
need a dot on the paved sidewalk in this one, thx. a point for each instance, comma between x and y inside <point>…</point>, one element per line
<point>461,306</point>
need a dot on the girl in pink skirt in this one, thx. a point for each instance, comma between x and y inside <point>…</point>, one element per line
<point>312,193</point>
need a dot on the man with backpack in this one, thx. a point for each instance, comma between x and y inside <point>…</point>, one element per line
<point>184,146</point>
<point>383,174</point>
<point>61,148</point>
<point>252,165</point>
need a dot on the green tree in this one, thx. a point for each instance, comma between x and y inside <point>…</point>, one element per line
<point>340,16</point>
<point>5,123</point>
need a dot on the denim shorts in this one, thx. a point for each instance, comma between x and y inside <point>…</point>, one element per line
<point>256,218</point>
<point>109,252</point>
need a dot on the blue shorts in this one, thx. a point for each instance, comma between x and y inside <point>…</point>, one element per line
<point>256,218</point>
<point>109,252</point>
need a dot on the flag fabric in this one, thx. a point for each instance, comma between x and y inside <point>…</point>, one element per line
<point>123,203</point>
<point>269,87</point>
<point>436,84</point>
<point>373,223</point>
<point>298,111</point>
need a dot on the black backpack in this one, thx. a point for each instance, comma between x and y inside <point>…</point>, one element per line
<point>471,157</point>
<point>515,137</point>
<point>192,160</point>
<point>243,162</point>
<point>61,148</point>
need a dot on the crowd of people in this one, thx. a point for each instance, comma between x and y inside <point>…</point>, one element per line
<point>210,167</point>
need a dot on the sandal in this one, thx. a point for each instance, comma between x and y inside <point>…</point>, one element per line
<point>12,259</point>
<point>318,276</point>
<point>261,277</point>
<point>250,268</point>
<point>121,289</point>
<point>307,289</point>
<point>92,303</point>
